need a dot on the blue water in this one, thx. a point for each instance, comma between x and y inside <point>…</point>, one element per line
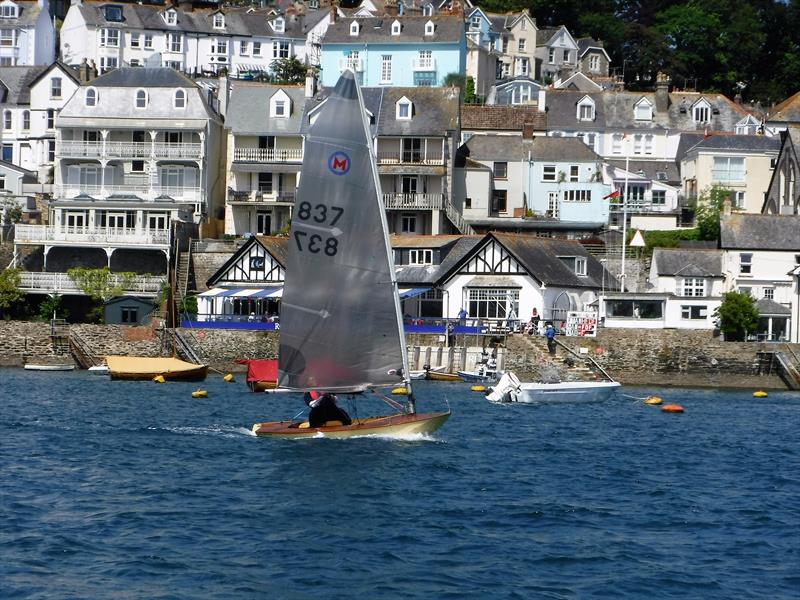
<point>136,490</point>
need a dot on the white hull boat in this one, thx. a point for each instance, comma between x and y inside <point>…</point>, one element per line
<point>511,389</point>
<point>36,367</point>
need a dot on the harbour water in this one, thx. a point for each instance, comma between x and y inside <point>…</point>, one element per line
<point>136,490</point>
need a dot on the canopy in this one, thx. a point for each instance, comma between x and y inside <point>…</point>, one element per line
<point>261,369</point>
<point>267,292</point>
<point>411,292</point>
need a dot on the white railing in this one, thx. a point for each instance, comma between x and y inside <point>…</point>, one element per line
<point>411,201</point>
<point>132,150</point>
<point>62,283</point>
<point>423,64</point>
<point>399,157</point>
<point>354,64</point>
<point>180,194</point>
<point>457,219</point>
<point>42,234</point>
<point>256,196</point>
<point>267,155</point>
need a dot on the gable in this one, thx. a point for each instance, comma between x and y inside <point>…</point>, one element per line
<point>492,259</point>
<point>253,264</point>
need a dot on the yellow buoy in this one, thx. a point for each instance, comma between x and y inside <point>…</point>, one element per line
<point>478,388</point>
<point>200,394</point>
<point>228,377</point>
<point>760,394</point>
<point>400,391</point>
<point>652,400</point>
<point>159,379</point>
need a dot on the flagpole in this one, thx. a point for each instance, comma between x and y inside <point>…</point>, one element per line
<point>625,217</point>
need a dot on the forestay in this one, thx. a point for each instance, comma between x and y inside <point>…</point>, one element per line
<point>340,316</point>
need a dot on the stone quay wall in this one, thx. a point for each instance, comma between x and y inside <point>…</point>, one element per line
<point>632,356</point>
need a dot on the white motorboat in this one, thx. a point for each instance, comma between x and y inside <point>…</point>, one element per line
<point>45,367</point>
<point>98,370</point>
<point>511,389</point>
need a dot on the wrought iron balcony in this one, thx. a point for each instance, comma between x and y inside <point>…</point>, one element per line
<point>45,234</point>
<point>399,201</point>
<point>267,155</point>
<point>63,284</point>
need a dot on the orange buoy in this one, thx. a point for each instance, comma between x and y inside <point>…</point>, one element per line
<point>672,408</point>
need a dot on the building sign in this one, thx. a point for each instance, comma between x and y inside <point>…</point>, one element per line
<point>581,324</point>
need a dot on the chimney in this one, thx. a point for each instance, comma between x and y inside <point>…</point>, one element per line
<point>92,70</point>
<point>311,83</point>
<point>726,207</point>
<point>390,8</point>
<point>662,92</point>
<point>334,14</point>
<point>223,94</point>
<point>527,131</point>
<point>541,102</point>
<point>83,71</point>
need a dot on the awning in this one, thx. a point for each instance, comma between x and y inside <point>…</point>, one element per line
<point>411,292</point>
<point>269,292</point>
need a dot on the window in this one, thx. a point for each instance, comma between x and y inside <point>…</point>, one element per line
<point>219,46</point>
<point>51,151</point>
<point>580,266</point>
<point>548,173</point>
<point>522,66</point>
<point>141,99</point>
<point>420,257</point>
<point>171,17</point>
<point>616,143</point>
<point>109,38</point>
<point>403,109</point>
<point>353,28</point>
<point>587,138</point>
<point>594,63</point>
<point>7,121</point>
<point>6,37</point>
<point>552,205</point>
<point>769,293</point>
<point>521,45</point>
<point>745,263</point>
<point>7,61</point>
<point>129,314</point>
<point>408,223</point>
<point>51,118</point>
<point>256,48</point>
<point>640,309</point>
<point>728,169</point>
<point>500,170</point>
<point>8,11</point>
<point>577,195</point>
<point>474,23</point>
<point>218,21</point>
<point>694,286</point>
<point>148,41</point>
<point>566,56</point>
<point>499,201</point>
<point>180,99</point>
<point>488,303</point>
<point>467,202</point>
<point>694,312</point>
<point>172,177</point>
<point>26,120</point>
<point>643,111</point>
<point>55,87</point>
<point>659,197</point>
<point>648,143</point>
<point>280,108</point>
<point>279,25</point>
<point>265,183</point>
<point>738,200</point>
<point>280,49</point>
<point>175,43</point>
<point>244,48</point>
<point>429,28</point>
<point>574,173</point>
<point>386,68</point>
<point>702,113</point>
<point>523,24</point>
<point>137,166</point>
<point>586,110</point>
<point>91,97</point>
<point>173,64</point>
<point>551,55</point>
<point>108,62</point>
<point>396,27</point>
<point>7,152</point>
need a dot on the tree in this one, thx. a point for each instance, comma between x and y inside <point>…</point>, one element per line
<point>286,71</point>
<point>10,294</point>
<point>469,90</point>
<point>737,315</point>
<point>455,80</point>
<point>101,285</point>
<point>51,307</point>
<point>707,211</point>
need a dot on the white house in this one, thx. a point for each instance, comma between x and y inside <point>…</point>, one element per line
<point>27,33</point>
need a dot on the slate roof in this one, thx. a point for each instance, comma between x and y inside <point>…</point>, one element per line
<point>650,169</point>
<point>248,109</point>
<point>447,30</point>
<point>614,110</point>
<point>238,21</point>
<point>587,43</point>
<point>545,35</point>
<point>27,14</point>
<point>760,232</point>
<point>738,143</point>
<point>432,275</point>
<point>787,111</point>
<point>502,118</point>
<point>516,148</point>
<point>766,306</point>
<point>16,83</point>
<point>688,263</point>
<point>422,241</point>
<point>137,77</point>
<point>278,247</point>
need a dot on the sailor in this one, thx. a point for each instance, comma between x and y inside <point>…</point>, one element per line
<point>324,409</point>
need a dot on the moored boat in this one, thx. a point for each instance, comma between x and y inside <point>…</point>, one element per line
<point>511,389</point>
<point>145,368</point>
<point>262,374</point>
<point>49,367</point>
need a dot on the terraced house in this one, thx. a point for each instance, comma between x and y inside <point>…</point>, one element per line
<point>27,33</point>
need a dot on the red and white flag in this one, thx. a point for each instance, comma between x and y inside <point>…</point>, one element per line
<point>614,194</point>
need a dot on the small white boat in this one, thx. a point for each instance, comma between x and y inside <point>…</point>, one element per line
<point>37,367</point>
<point>511,389</point>
<point>98,370</point>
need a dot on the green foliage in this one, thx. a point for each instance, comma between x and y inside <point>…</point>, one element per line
<point>455,80</point>
<point>10,294</point>
<point>286,71</point>
<point>50,306</point>
<point>101,284</point>
<point>707,211</point>
<point>188,305</point>
<point>12,214</point>
<point>737,315</point>
<point>469,90</point>
<point>668,239</point>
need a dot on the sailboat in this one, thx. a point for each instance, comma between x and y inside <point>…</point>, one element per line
<point>341,325</point>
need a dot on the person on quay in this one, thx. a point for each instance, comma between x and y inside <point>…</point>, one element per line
<point>550,334</point>
<point>462,316</point>
<point>324,409</point>
<point>535,320</point>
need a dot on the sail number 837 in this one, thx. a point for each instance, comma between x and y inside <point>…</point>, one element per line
<point>318,213</point>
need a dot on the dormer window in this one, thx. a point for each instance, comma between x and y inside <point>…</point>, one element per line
<point>354,27</point>
<point>396,28</point>
<point>586,109</point>
<point>141,99</point>
<point>643,110</point>
<point>701,113</point>
<point>218,21</point>
<point>91,97</point>
<point>280,105</point>
<point>9,11</point>
<point>580,266</point>
<point>279,25</point>
<point>475,22</point>
<point>113,13</point>
<point>430,28</point>
<point>171,17</point>
<point>404,109</point>
<point>179,100</point>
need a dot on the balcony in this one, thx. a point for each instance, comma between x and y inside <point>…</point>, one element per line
<point>253,196</point>
<point>423,64</point>
<point>410,158</point>
<point>95,236</point>
<point>128,150</point>
<point>142,190</point>
<point>62,283</point>
<point>399,201</point>
<point>354,64</point>
<point>267,155</point>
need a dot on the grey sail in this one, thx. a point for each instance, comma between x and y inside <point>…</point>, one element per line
<point>340,318</point>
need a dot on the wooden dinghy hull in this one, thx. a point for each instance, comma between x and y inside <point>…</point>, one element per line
<point>441,376</point>
<point>144,369</point>
<point>388,426</point>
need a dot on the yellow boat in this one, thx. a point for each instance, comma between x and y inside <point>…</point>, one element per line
<point>442,376</point>
<point>393,425</point>
<point>141,368</point>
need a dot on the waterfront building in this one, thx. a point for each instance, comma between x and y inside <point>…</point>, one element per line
<point>514,38</point>
<point>27,33</point>
<point>557,53</point>
<point>783,195</point>
<point>18,190</point>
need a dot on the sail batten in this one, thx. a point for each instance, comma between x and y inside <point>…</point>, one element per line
<point>340,319</point>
